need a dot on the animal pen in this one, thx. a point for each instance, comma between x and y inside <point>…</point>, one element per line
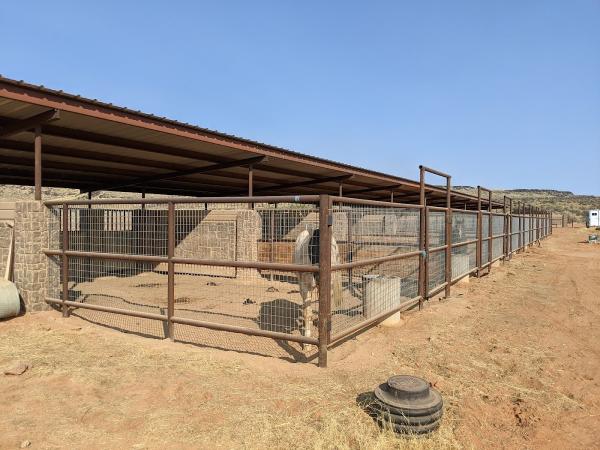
<point>285,246</point>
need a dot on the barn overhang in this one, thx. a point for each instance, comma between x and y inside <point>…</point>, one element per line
<point>85,144</point>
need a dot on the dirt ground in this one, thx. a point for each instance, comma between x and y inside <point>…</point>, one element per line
<point>516,356</point>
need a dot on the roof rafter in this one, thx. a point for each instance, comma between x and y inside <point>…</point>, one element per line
<point>338,178</point>
<point>172,175</point>
<point>17,126</point>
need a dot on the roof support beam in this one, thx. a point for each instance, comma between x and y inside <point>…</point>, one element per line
<point>171,175</point>
<point>82,158</point>
<point>17,126</point>
<point>37,144</point>
<point>304,183</point>
<point>97,138</point>
<point>374,189</point>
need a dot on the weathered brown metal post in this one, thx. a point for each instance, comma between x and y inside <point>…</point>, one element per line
<point>510,228</point>
<point>490,232</point>
<point>505,231</point>
<point>537,224</point>
<point>325,231</point>
<point>250,184</point>
<point>422,239</point>
<point>479,233</point>
<point>521,226</point>
<point>530,219</point>
<point>37,145</point>
<point>65,258</point>
<point>272,240</point>
<point>448,236</point>
<point>171,269</point>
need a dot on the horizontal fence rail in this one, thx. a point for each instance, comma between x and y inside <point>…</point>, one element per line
<point>310,270</point>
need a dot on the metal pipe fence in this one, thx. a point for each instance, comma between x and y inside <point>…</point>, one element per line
<point>309,270</point>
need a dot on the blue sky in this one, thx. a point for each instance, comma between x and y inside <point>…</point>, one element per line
<point>504,94</point>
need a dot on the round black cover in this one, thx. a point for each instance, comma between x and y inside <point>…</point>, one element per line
<point>408,393</point>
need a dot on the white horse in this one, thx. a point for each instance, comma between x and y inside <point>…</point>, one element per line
<point>306,252</point>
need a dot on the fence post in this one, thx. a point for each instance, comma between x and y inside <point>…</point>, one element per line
<point>171,268</point>
<point>505,231</point>
<point>325,231</point>
<point>521,226</point>
<point>422,239</point>
<point>510,229</point>
<point>448,236</point>
<point>490,232</point>
<point>65,258</point>
<point>528,226</point>
<point>479,233</point>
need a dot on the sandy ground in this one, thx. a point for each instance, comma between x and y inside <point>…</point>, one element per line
<point>516,355</point>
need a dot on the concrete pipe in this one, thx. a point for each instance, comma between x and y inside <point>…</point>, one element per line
<point>10,304</point>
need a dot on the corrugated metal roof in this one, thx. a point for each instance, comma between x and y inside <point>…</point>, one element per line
<point>130,138</point>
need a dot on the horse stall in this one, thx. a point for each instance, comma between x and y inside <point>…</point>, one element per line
<point>309,270</point>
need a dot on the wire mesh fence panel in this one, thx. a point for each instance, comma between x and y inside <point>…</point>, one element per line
<point>54,217</point>
<point>497,225</point>
<point>364,232</point>
<point>288,303</point>
<point>464,227</point>
<point>514,224</point>
<point>370,290</point>
<point>225,293</point>
<point>485,225</point>
<point>127,285</point>
<point>436,267</point>
<point>514,242</point>
<point>54,277</point>
<point>271,233</point>
<point>464,259</point>
<point>436,230</point>
<point>514,229</point>
<point>497,247</point>
<point>122,229</point>
<point>484,252</point>
<point>281,225</point>
<point>436,260</point>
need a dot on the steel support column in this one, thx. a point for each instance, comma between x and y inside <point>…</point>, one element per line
<point>324,323</point>
<point>422,239</point>
<point>37,144</point>
<point>448,236</point>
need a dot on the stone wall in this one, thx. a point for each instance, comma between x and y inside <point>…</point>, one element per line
<point>223,235</point>
<point>30,263</point>
<point>5,235</point>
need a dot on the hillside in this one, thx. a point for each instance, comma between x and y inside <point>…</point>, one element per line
<point>560,202</point>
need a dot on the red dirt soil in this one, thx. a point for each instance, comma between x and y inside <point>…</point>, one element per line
<point>516,355</point>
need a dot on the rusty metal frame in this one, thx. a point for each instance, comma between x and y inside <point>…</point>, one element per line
<point>423,170</point>
<point>325,267</point>
<point>325,230</point>
<point>66,304</point>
